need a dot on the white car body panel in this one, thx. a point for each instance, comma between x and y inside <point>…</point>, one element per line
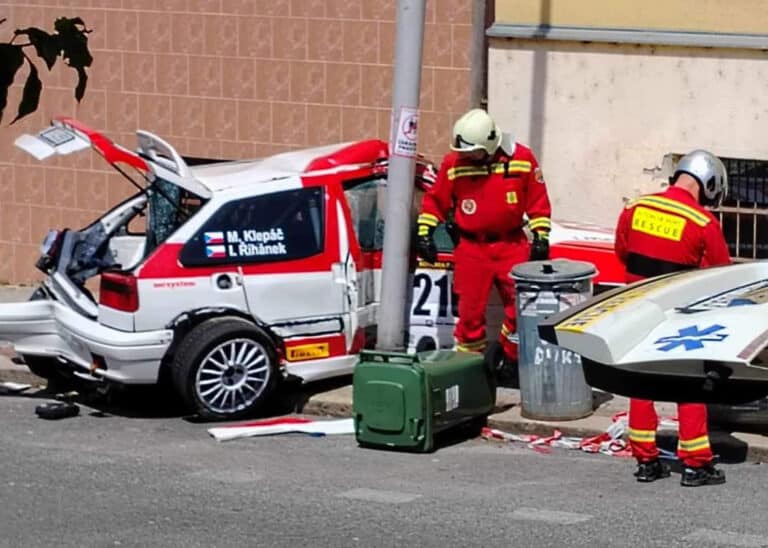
<point>706,326</point>
<point>49,328</point>
<point>632,322</point>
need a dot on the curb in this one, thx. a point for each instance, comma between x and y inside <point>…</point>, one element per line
<point>732,447</point>
<point>20,374</point>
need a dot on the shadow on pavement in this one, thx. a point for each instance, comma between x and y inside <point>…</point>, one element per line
<point>157,402</point>
<point>727,448</point>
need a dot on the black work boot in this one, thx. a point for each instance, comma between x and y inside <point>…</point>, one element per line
<point>703,475</point>
<point>651,471</point>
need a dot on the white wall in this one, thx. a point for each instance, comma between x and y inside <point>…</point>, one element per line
<point>601,117</point>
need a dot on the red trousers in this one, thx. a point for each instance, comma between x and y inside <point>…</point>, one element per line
<point>478,267</point>
<point>693,446</point>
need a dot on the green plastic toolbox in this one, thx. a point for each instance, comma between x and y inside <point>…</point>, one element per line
<point>401,400</point>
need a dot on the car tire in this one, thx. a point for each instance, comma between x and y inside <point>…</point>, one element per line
<point>225,368</point>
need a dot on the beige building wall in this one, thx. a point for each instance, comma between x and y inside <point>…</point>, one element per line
<point>601,116</point>
<point>721,16</point>
<point>231,79</point>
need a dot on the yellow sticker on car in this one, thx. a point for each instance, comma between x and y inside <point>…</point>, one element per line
<point>312,351</point>
<point>658,224</point>
<point>588,316</point>
<point>512,197</point>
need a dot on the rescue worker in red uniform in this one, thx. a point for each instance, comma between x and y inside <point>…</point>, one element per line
<point>488,182</point>
<point>658,234</point>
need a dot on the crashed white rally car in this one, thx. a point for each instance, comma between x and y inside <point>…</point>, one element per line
<point>244,272</point>
<point>698,336</point>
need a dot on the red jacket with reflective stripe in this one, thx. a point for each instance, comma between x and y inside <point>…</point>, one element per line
<point>490,198</point>
<point>670,226</point>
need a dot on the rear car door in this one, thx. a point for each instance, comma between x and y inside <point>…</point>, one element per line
<point>284,244</point>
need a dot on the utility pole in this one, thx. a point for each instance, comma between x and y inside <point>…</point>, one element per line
<point>409,41</point>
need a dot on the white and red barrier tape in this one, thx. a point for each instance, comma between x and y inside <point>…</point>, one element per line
<point>611,442</point>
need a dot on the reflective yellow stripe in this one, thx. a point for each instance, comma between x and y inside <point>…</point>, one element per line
<point>465,171</point>
<point>423,230</point>
<point>665,204</point>
<point>539,222</point>
<point>504,330</point>
<point>471,171</point>
<point>543,234</point>
<point>475,346</point>
<point>427,219</point>
<point>519,166</point>
<point>696,444</point>
<point>642,435</point>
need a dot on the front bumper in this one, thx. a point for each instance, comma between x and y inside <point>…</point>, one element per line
<point>48,328</point>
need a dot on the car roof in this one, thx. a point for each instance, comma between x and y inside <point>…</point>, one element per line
<point>323,159</point>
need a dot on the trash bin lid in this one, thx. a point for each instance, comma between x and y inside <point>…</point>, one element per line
<point>557,270</point>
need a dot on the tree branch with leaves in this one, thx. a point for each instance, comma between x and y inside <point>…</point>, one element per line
<point>69,42</point>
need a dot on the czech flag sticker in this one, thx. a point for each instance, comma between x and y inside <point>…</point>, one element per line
<point>213,237</point>
<point>215,251</point>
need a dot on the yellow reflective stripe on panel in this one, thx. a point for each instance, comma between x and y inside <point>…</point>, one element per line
<point>672,206</point>
<point>642,435</point>
<point>583,319</point>
<point>696,444</point>
<point>423,230</point>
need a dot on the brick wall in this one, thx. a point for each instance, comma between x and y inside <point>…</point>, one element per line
<point>218,79</point>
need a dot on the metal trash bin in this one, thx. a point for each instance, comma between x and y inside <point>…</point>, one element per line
<point>552,385</point>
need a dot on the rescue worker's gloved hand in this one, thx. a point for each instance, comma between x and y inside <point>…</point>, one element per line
<point>540,246</point>
<point>426,247</point>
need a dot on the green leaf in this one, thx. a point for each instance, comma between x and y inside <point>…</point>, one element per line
<point>46,45</point>
<point>11,58</point>
<point>30,97</point>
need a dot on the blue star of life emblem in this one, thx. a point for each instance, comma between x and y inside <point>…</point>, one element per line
<point>691,338</point>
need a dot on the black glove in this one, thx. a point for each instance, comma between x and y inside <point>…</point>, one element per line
<point>540,247</point>
<point>425,244</point>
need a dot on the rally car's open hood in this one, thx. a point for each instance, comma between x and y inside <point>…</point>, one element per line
<point>154,157</point>
<point>693,336</point>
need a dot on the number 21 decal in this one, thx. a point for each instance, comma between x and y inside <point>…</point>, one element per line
<point>424,284</point>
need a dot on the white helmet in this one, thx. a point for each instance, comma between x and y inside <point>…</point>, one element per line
<point>709,171</point>
<point>476,130</point>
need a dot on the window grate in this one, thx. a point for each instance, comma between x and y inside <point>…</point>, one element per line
<point>744,213</point>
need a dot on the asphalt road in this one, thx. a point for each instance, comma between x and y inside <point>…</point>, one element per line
<point>152,480</point>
